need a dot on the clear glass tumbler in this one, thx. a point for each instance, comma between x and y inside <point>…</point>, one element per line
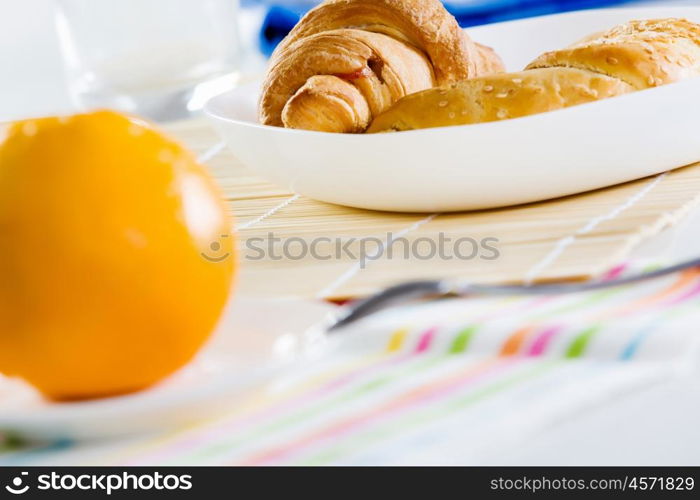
<point>157,58</point>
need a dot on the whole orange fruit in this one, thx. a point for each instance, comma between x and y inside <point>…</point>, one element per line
<point>109,280</point>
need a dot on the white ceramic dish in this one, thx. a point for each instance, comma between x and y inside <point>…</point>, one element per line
<point>485,165</point>
<point>249,349</point>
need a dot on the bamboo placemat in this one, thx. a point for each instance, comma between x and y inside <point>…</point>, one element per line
<point>576,237</point>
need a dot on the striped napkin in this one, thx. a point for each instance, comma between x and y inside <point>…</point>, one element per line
<point>461,381</point>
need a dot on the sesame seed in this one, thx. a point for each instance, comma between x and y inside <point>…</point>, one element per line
<point>502,95</point>
<point>517,80</point>
<point>488,88</point>
<point>502,113</point>
<point>443,104</point>
<point>612,60</point>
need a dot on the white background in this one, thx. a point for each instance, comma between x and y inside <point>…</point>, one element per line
<point>31,67</point>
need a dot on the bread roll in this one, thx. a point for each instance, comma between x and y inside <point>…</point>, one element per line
<point>633,56</point>
<point>642,53</point>
<point>498,97</point>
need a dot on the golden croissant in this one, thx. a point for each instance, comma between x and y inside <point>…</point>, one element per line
<point>349,60</point>
<point>629,57</point>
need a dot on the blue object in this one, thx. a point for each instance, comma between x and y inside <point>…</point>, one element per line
<point>278,22</point>
<point>283,15</point>
<point>476,12</point>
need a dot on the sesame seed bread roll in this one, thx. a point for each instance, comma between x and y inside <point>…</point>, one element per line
<point>349,60</point>
<point>642,53</point>
<point>498,97</point>
<point>633,56</point>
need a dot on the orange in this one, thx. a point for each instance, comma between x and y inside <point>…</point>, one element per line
<point>116,257</point>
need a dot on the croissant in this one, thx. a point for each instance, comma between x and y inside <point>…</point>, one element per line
<point>629,57</point>
<point>349,60</point>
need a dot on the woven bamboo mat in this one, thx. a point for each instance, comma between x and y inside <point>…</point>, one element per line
<point>569,238</point>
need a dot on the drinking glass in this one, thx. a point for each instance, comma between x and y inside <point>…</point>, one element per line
<point>158,58</point>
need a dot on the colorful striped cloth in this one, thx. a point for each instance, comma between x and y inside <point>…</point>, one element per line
<point>460,381</point>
